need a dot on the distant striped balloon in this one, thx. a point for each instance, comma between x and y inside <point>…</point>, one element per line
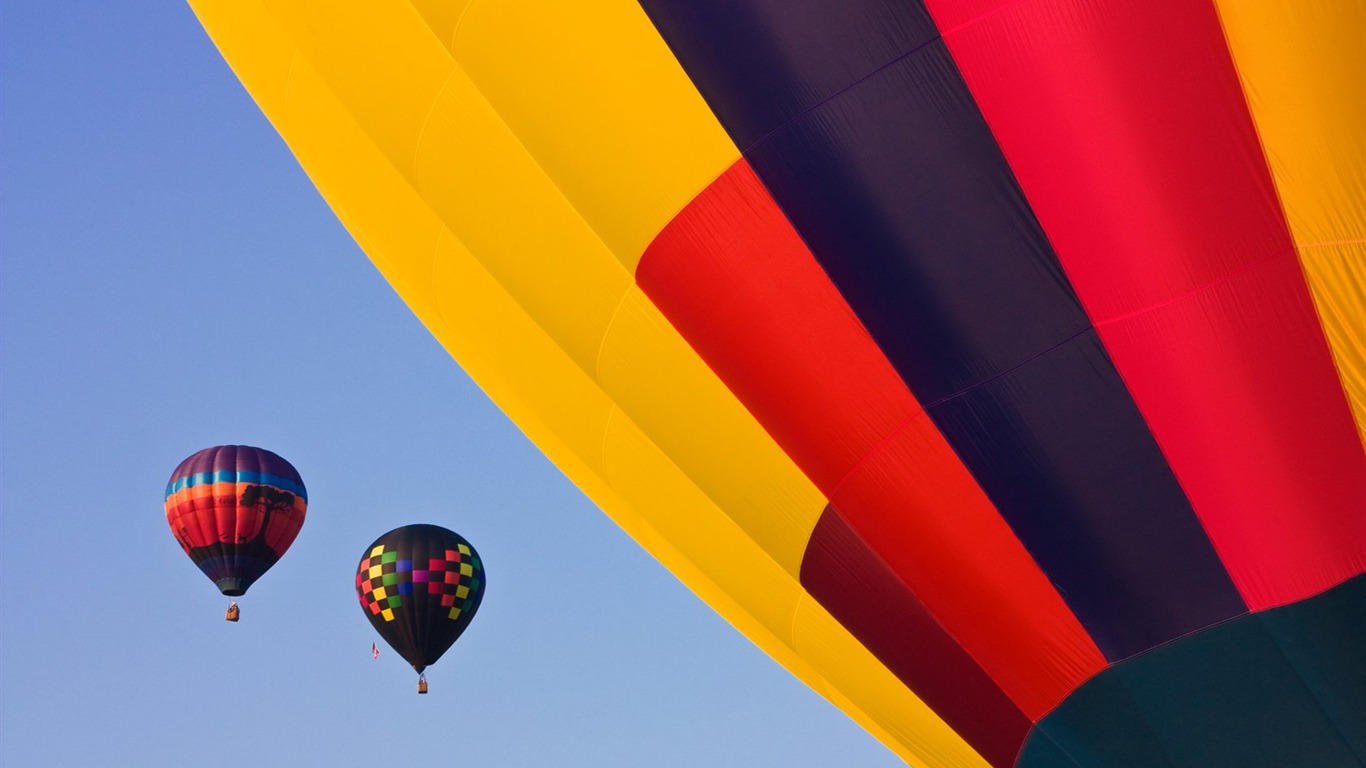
<point>235,510</point>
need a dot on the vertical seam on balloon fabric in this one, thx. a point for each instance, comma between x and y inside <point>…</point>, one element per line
<point>1295,245</point>
<point>1251,115</point>
<point>417,186</point>
<point>1123,685</point>
<point>422,131</point>
<point>455,30</point>
<point>456,67</point>
<point>1332,723</point>
<point>1036,729</point>
<point>596,373</point>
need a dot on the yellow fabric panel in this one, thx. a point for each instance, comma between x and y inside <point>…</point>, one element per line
<point>326,141</point>
<point>388,93</point>
<point>480,320</point>
<point>696,420</point>
<point>1338,277</point>
<point>511,216</point>
<point>602,105</point>
<point>549,394</point>
<point>1303,68</point>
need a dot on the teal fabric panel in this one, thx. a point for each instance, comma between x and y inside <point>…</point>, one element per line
<point>1278,689</point>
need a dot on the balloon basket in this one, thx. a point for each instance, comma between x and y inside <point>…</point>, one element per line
<point>422,685</point>
<point>233,613</point>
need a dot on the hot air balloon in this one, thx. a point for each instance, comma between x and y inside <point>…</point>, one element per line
<point>996,366</point>
<point>235,509</point>
<point>420,586</point>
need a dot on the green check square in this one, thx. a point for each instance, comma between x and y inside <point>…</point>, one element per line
<point>389,557</point>
<point>390,579</point>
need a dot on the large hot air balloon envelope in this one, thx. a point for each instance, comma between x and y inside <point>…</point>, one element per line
<point>996,366</point>
<point>420,586</point>
<point>235,509</point>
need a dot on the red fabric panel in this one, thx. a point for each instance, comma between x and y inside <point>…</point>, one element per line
<point>1276,481</point>
<point>735,279</point>
<point>741,287</point>
<point>1127,128</point>
<point>897,628</point>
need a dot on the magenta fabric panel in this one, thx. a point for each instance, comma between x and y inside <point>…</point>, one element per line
<point>1127,129</point>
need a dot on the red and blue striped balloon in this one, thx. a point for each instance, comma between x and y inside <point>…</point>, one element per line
<point>235,510</point>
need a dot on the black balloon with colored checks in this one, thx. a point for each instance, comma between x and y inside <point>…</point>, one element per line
<point>420,585</point>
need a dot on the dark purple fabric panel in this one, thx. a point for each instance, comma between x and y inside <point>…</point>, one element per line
<point>761,64</point>
<point>864,595</point>
<point>1101,512</point>
<point>904,198</point>
<point>912,211</point>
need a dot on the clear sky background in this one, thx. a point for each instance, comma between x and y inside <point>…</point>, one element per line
<point>170,280</point>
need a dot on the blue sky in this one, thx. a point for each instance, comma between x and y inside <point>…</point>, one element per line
<point>170,280</point>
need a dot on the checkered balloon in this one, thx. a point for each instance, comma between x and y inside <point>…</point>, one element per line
<point>420,586</point>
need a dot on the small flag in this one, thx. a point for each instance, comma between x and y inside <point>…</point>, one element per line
<point>374,651</point>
